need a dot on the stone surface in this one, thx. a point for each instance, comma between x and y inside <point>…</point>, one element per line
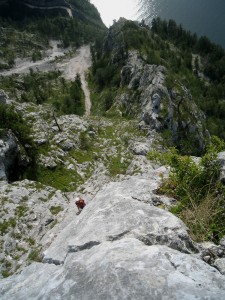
<point>121,246</point>
<point>220,265</point>
<point>28,212</point>
<point>123,269</point>
<point>222,242</point>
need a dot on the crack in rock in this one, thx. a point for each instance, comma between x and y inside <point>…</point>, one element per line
<point>140,200</point>
<point>52,261</point>
<point>117,237</point>
<point>86,246</point>
<point>171,262</point>
<point>184,245</point>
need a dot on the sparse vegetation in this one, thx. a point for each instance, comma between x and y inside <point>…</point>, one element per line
<point>35,255</point>
<point>5,226</point>
<point>199,193</point>
<point>56,209</point>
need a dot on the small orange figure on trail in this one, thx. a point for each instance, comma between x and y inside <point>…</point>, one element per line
<point>80,203</point>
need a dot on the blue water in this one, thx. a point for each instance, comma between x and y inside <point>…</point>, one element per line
<point>205,17</point>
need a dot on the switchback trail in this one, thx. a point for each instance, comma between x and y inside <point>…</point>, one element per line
<point>69,10</point>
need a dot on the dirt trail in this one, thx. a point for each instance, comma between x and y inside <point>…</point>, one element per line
<point>78,63</point>
<point>69,11</point>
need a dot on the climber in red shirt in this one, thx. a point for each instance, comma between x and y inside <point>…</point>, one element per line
<point>80,203</point>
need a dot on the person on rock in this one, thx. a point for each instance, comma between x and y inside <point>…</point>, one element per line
<point>80,203</point>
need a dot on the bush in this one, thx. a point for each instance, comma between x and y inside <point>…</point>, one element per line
<point>9,119</point>
<point>196,186</point>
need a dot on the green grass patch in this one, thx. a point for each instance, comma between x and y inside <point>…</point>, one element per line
<point>6,225</point>
<point>21,210</point>
<point>56,209</point>
<point>82,156</point>
<point>59,178</point>
<point>35,255</point>
<point>198,190</point>
<point>118,165</point>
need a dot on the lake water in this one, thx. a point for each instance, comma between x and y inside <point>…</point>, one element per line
<point>205,17</point>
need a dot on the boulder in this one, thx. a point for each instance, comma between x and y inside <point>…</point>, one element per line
<point>123,269</point>
<point>131,201</point>
<point>220,265</point>
<point>139,148</point>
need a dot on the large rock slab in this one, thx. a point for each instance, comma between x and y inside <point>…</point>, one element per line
<point>121,209</point>
<point>123,269</point>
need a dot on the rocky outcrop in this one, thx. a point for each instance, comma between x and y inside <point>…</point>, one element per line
<point>145,94</point>
<point>121,246</point>
<point>158,107</point>
<point>28,211</point>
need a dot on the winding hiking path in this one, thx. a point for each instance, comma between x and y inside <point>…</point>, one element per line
<point>69,10</point>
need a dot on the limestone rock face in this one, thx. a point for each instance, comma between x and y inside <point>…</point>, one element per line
<point>145,94</point>
<point>120,247</point>
<point>159,108</point>
<point>132,202</point>
<point>123,269</point>
<point>28,212</point>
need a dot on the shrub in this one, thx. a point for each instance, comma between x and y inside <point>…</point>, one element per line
<point>55,209</point>
<point>196,186</point>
